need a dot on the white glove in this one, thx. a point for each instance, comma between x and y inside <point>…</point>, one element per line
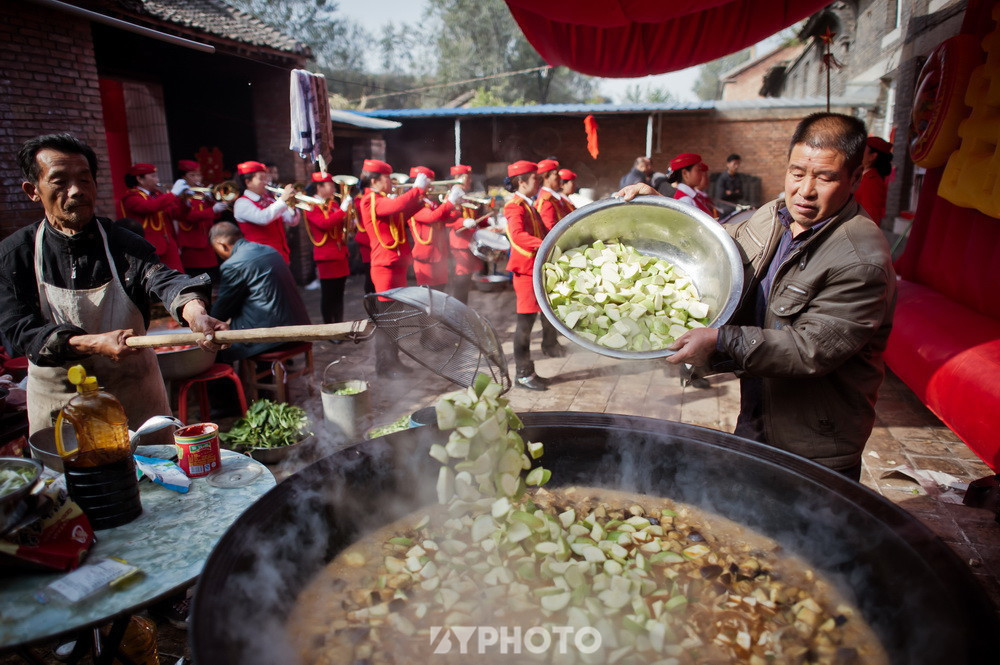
<point>220,206</point>
<point>469,223</point>
<point>179,187</point>
<point>421,181</point>
<point>456,194</point>
<point>346,203</point>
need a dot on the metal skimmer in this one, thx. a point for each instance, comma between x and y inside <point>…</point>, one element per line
<point>439,332</point>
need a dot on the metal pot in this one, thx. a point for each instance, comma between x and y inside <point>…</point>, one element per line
<point>43,442</point>
<point>658,226</point>
<point>14,505</point>
<point>918,596</point>
<point>184,363</point>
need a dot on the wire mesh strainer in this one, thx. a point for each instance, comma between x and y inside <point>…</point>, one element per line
<point>439,332</point>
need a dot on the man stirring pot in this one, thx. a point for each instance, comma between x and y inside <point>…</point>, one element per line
<point>74,287</point>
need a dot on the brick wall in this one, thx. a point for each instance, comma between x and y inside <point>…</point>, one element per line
<point>48,83</point>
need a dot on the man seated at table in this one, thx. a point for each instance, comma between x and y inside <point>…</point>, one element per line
<point>256,289</point>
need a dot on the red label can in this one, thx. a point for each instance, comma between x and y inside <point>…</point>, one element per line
<point>198,449</point>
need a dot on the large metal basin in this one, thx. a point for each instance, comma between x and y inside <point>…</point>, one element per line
<point>182,364</point>
<point>662,227</point>
<point>918,596</point>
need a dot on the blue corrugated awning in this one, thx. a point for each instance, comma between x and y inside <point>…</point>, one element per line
<point>609,109</point>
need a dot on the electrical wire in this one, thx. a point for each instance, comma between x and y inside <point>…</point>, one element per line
<point>445,85</point>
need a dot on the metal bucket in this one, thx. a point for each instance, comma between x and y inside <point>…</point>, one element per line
<point>351,413</point>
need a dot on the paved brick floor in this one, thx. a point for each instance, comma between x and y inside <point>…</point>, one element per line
<point>906,432</point>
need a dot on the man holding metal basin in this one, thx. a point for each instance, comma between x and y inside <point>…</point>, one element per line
<point>74,287</point>
<point>808,335</point>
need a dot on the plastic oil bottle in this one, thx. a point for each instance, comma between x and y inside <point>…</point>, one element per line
<point>100,471</point>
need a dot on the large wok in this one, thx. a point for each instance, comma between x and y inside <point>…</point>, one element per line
<point>918,596</point>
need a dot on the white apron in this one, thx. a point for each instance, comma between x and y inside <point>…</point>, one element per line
<point>134,380</point>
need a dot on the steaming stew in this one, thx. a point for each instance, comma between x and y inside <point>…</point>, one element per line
<point>712,591</point>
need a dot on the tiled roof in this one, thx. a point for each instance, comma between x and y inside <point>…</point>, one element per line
<point>216,17</point>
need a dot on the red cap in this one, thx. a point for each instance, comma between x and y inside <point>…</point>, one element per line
<point>141,169</point>
<point>684,160</point>
<point>188,165</point>
<point>521,167</point>
<point>703,166</point>
<point>547,165</point>
<point>417,170</point>
<point>376,166</point>
<point>461,169</point>
<point>244,168</point>
<point>566,174</point>
<point>322,176</point>
<point>880,145</point>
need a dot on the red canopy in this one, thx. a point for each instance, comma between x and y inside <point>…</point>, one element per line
<point>629,38</point>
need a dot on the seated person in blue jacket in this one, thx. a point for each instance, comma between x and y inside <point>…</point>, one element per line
<point>256,289</point>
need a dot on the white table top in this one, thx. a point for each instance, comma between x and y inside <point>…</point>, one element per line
<point>169,543</point>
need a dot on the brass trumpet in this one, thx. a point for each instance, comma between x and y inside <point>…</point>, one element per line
<point>483,202</point>
<point>302,201</point>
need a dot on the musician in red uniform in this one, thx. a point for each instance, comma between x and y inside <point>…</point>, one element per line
<point>327,228</point>
<point>690,176</point>
<point>462,228</point>
<point>430,236</point>
<point>384,219</point>
<point>568,189</point>
<point>194,223</point>
<point>526,231</point>
<point>261,218</point>
<point>549,202</point>
<point>156,210</point>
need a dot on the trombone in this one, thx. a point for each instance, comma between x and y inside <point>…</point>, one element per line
<point>302,201</point>
<point>224,192</point>
<point>434,184</point>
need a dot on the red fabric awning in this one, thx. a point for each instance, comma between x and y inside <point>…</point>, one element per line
<point>629,38</point>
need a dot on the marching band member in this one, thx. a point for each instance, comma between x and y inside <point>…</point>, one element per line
<point>549,201</point>
<point>155,210</point>
<point>430,237</point>
<point>194,223</point>
<point>690,175</point>
<point>261,218</point>
<point>526,231</point>
<point>384,218</point>
<point>326,225</point>
<point>568,189</point>
<point>466,263</point>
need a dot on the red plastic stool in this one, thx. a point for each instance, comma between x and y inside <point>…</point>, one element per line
<point>216,371</point>
<point>16,367</point>
<point>276,367</point>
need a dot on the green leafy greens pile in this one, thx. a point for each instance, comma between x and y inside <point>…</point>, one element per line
<point>268,424</point>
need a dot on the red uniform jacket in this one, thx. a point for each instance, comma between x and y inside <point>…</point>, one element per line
<point>271,234</point>
<point>193,226</point>
<point>430,236</point>
<point>550,207</point>
<point>325,226</point>
<point>871,194</point>
<point>525,230</point>
<point>387,227</point>
<point>156,212</point>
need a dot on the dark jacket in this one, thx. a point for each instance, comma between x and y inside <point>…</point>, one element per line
<point>634,176</point>
<point>819,352</point>
<point>257,290</point>
<point>78,262</point>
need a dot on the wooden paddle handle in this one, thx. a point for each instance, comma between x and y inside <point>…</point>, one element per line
<point>253,335</point>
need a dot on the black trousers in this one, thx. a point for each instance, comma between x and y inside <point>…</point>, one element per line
<point>331,303</point>
<point>522,342</point>
<point>460,287</point>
